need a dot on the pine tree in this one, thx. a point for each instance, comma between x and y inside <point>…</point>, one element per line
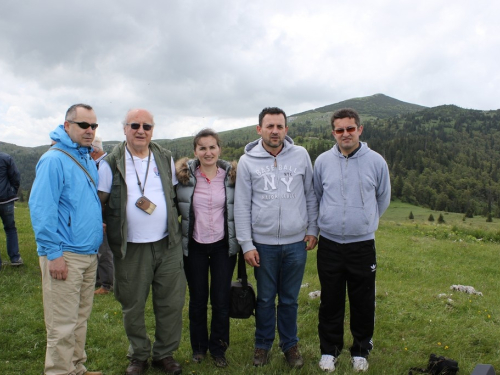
<point>489,219</point>
<point>411,216</point>
<point>440,219</point>
<point>431,218</point>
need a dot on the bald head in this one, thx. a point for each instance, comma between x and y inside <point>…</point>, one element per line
<point>138,128</point>
<point>137,111</point>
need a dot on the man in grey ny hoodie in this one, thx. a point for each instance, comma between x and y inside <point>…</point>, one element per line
<point>275,213</point>
<point>352,185</point>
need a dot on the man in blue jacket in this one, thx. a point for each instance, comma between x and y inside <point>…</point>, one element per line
<point>9,185</point>
<point>67,221</point>
<point>352,185</point>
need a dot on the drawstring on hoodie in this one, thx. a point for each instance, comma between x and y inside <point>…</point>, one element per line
<point>342,179</point>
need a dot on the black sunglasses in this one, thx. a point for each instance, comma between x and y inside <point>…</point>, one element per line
<point>136,126</point>
<point>350,129</point>
<point>84,125</point>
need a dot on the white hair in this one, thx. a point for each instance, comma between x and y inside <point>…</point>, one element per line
<point>97,143</point>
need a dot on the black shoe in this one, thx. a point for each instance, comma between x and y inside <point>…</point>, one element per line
<point>198,357</point>
<point>220,361</point>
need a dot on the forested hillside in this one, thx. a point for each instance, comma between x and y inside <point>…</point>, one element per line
<point>446,158</point>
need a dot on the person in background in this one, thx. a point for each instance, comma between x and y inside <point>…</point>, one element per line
<point>66,217</point>
<point>205,194</point>
<point>275,212</point>
<point>104,276</point>
<point>10,180</point>
<point>136,187</point>
<point>353,188</point>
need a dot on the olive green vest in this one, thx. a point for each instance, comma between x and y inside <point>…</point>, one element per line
<point>115,209</point>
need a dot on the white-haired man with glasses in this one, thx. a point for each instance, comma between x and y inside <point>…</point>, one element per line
<point>66,217</point>
<point>136,187</point>
<point>353,189</point>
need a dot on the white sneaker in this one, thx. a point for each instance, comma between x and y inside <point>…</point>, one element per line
<point>359,364</point>
<point>327,363</point>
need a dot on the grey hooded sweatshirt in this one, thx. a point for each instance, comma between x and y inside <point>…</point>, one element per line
<point>274,202</point>
<point>352,192</point>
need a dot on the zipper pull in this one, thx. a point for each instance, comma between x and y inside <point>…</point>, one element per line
<point>275,162</point>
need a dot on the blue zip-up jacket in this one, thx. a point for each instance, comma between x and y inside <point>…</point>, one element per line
<point>352,193</point>
<point>64,206</point>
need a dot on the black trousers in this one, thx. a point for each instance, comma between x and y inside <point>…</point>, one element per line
<point>350,266</point>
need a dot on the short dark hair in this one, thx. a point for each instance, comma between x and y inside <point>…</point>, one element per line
<point>71,112</point>
<point>271,111</point>
<point>346,113</point>
<point>207,132</point>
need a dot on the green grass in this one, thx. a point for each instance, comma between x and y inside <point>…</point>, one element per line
<point>417,261</point>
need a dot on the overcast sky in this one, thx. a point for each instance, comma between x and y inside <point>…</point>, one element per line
<point>217,63</point>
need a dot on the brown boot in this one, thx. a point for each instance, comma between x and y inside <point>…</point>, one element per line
<point>168,365</point>
<point>136,367</point>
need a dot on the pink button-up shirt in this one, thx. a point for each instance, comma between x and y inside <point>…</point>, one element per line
<point>209,200</point>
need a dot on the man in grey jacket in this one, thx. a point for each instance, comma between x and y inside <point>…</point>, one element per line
<point>352,185</point>
<point>275,213</point>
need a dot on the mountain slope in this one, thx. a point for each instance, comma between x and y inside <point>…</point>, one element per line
<point>378,105</point>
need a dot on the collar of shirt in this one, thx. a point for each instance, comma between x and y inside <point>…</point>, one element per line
<point>200,173</point>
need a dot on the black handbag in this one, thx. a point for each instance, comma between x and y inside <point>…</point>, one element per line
<point>242,297</point>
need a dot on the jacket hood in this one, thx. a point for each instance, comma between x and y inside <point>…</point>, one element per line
<point>185,166</point>
<point>253,148</point>
<point>59,135</point>
<point>363,150</point>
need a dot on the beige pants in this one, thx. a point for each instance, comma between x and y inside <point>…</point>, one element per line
<point>67,305</point>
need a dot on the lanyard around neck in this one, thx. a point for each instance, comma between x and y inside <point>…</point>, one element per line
<point>141,187</point>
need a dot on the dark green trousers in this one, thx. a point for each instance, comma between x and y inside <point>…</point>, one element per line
<point>160,268</point>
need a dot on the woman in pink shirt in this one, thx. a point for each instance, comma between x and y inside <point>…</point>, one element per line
<point>205,195</point>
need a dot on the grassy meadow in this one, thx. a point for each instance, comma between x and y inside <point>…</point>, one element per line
<point>417,262</point>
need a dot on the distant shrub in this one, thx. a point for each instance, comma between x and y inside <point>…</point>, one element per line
<point>469,213</point>
<point>489,219</point>
<point>440,219</point>
<point>431,218</point>
<point>411,216</point>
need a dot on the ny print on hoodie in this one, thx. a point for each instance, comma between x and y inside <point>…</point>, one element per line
<point>274,200</point>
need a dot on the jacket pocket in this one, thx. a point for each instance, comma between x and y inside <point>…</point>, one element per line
<point>265,220</point>
<point>293,221</point>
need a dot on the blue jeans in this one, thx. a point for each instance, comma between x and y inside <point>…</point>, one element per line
<point>203,258</point>
<point>9,225</point>
<point>280,272</point>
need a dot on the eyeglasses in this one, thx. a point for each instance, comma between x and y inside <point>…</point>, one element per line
<point>136,126</point>
<point>84,125</point>
<point>350,129</point>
